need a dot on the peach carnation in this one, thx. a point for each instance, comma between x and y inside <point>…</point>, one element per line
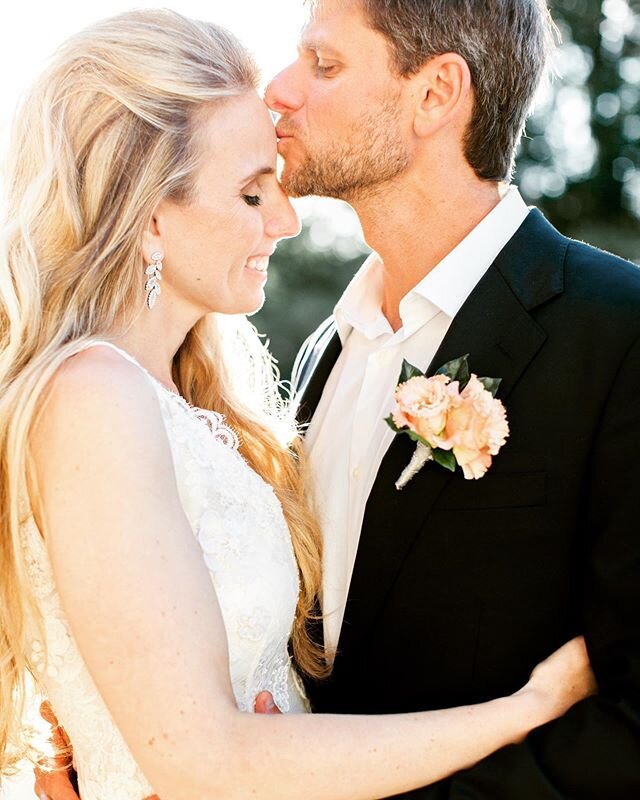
<point>476,429</point>
<point>422,404</point>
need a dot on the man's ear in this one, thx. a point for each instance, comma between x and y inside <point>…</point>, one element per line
<point>443,93</point>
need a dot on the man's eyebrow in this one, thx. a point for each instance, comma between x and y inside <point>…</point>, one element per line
<point>257,173</point>
<point>313,45</point>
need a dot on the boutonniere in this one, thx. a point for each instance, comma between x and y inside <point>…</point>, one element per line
<point>454,417</point>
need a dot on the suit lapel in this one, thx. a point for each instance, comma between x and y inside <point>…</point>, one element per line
<point>319,363</point>
<point>315,369</point>
<point>495,328</point>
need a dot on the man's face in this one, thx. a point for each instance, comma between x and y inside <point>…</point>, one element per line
<point>341,130</point>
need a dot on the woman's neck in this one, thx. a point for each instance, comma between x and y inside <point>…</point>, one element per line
<point>153,339</point>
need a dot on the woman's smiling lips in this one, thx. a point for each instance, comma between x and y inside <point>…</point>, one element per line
<point>258,263</point>
<point>258,266</point>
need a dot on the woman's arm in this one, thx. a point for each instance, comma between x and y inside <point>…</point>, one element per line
<point>145,615</point>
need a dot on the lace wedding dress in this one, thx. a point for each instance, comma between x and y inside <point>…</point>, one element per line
<point>246,546</point>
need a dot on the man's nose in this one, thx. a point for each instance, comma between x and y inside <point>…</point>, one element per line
<point>284,92</point>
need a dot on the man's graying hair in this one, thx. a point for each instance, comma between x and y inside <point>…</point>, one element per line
<point>506,44</point>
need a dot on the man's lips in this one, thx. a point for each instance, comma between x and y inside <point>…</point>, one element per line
<point>281,134</point>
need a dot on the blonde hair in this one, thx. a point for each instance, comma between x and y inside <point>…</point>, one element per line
<point>105,134</point>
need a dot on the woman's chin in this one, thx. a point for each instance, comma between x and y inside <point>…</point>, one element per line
<point>256,306</point>
<point>248,306</point>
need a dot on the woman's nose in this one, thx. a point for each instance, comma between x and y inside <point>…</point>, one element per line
<point>284,222</point>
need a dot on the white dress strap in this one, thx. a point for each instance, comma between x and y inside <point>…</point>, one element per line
<point>123,353</point>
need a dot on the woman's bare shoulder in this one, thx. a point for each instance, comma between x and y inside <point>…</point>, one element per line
<point>96,372</point>
<point>98,398</point>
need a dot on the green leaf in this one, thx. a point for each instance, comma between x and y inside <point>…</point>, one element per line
<point>491,384</point>
<point>408,371</point>
<point>392,425</point>
<point>457,370</point>
<point>416,437</point>
<point>445,458</point>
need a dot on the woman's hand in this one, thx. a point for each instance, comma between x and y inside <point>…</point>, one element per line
<point>560,681</point>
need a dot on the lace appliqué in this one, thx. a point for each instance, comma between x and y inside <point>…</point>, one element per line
<point>214,421</point>
<point>61,660</point>
<point>246,545</point>
<point>216,424</point>
<point>271,675</point>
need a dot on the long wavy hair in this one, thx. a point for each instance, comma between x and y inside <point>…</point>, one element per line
<point>106,133</point>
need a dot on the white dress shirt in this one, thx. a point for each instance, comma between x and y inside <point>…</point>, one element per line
<point>348,437</point>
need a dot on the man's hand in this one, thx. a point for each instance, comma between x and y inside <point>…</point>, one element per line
<point>57,785</point>
<point>265,704</point>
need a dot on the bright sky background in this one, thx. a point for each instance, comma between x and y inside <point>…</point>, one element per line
<point>31,29</point>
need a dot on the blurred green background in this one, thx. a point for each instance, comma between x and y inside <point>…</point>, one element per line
<point>579,163</point>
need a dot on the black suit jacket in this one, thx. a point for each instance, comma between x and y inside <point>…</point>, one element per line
<point>461,587</point>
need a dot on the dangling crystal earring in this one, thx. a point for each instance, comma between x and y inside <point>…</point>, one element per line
<point>152,286</point>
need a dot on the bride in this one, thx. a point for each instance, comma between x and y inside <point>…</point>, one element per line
<point>159,553</point>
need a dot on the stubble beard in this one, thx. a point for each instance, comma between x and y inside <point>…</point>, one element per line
<point>356,169</point>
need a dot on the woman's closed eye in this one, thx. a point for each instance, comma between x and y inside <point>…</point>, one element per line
<point>252,199</point>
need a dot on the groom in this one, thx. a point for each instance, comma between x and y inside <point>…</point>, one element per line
<point>450,591</point>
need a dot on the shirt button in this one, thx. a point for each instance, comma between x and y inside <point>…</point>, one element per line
<point>356,472</point>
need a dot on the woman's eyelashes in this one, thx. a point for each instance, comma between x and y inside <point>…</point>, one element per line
<point>252,199</point>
